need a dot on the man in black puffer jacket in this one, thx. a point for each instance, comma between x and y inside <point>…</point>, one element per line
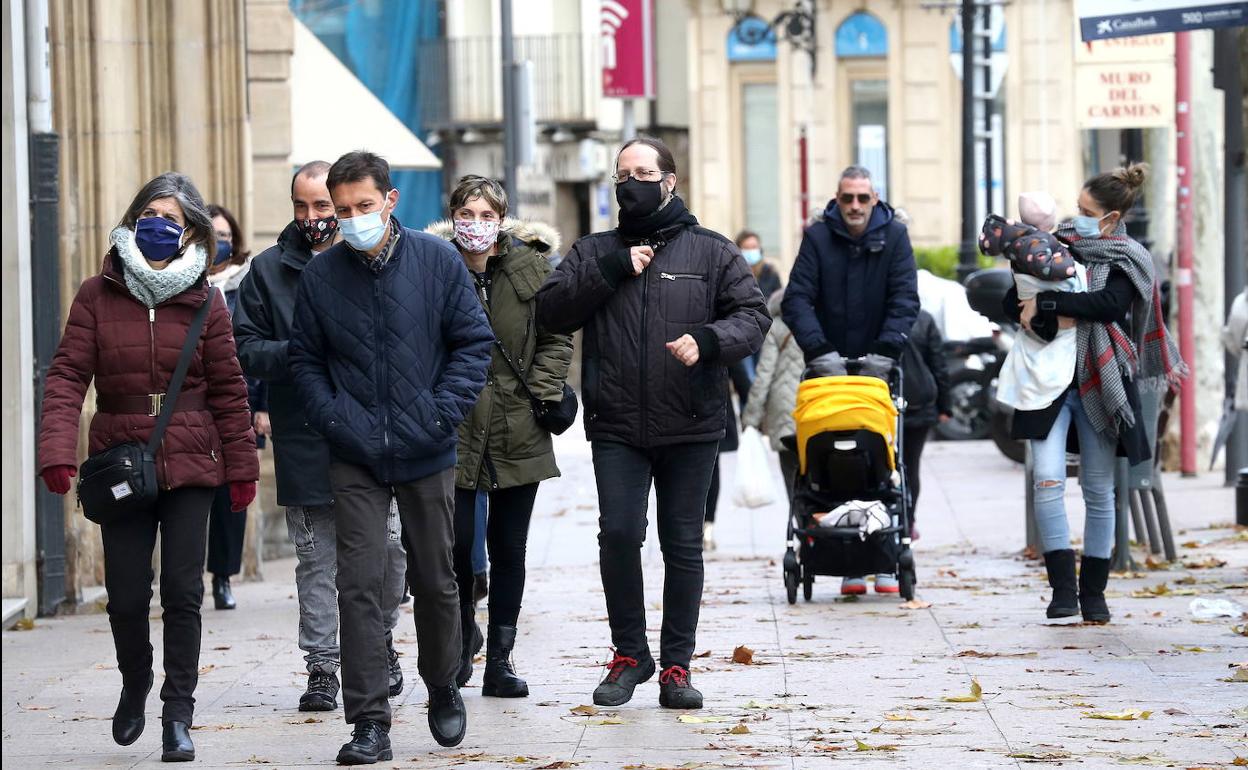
<point>666,305</point>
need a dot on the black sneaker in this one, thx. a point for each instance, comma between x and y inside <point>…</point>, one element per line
<point>396,673</point>
<point>369,744</point>
<point>322,692</point>
<point>675,692</point>
<point>448,718</point>
<point>623,674</point>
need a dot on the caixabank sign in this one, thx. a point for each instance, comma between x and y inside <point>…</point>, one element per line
<point>1101,19</point>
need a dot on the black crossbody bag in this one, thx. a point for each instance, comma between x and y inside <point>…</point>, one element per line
<point>120,481</point>
<point>552,417</point>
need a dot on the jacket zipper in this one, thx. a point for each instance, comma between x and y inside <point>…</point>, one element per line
<point>160,450</point>
<point>645,401</point>
<point>674,276</point>
<point>383,378</point>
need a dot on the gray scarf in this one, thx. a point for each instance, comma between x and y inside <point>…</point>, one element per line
<point>1107,354</point>
<point>150,286</point>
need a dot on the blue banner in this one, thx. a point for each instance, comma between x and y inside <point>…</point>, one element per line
<point>1102,20</point>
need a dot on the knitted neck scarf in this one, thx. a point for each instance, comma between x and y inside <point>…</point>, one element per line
<point>1108,355</point>
<point>151,286</point>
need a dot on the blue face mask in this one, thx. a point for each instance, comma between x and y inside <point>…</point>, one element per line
<point>158,238</point>
<point>752,256</point>
<point>225,250</point>
<point>363,232</point>
<point>1087,227</point>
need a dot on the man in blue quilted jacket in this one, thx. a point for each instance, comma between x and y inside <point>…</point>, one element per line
<point>389,350</point>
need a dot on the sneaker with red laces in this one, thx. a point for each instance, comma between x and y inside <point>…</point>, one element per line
<point>886,584</point>
<point>675,692</point>
<point>623,675</point>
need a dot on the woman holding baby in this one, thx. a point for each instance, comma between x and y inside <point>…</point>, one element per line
<point>1110,310</point>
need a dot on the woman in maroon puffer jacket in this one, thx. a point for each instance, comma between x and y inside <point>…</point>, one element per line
<point>125,331</point>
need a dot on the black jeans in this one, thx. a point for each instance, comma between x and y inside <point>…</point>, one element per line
<point>912,440</point>
<point>506,538</point>
<point>681,475</point>
<point>712,494</point>
<point>361,508</point>
<point>226,529</point>
<point>181,517</point>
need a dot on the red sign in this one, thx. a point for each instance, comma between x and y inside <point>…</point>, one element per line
<point>628,49</point>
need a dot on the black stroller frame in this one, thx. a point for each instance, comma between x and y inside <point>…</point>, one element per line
<point>813,549</point>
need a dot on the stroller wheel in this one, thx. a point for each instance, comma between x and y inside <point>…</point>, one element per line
<point>808,583</point>
<point>790,586</point>
<point>905,580</point>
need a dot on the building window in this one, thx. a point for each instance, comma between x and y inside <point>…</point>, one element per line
<point>761,181</point>
<point>869,108</point>
<point>861,35</point>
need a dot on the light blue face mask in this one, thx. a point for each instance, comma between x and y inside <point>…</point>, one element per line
<point>363,232</point>
<point>752,256</point>
<point>1087,227</point>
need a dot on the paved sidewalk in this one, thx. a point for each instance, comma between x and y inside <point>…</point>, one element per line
<point>860,683</point>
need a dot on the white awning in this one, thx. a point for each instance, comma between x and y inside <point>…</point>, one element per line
<point>332,112</point>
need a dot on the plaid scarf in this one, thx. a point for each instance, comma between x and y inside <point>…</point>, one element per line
<point>1108,355</point>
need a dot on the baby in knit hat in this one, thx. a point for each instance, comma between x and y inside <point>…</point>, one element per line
<point>1035,371</point>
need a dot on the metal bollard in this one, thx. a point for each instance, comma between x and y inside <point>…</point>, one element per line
<point>1241,498</point>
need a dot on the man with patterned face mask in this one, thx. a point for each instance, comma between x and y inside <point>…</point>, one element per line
<point>263,316</point>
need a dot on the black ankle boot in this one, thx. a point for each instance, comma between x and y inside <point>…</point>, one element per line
<point>448,719</point>
<point>1093,575</point>
<point>129,719</point>
<point>1061,569</point>
<point>500,680</point>
<point>222,596</point>
<point>176,743</point>
<point>473,640</point>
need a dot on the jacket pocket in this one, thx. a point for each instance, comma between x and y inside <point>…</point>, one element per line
<point>707,390</point>
<point>684,297</point>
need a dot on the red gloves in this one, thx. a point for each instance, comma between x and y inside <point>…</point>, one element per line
<point>241,494</point>
<point>57,477</point>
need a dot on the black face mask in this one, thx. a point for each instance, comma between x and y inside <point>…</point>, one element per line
<point>639,199</point>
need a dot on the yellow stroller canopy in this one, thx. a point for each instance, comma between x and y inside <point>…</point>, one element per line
<point>844,403</point>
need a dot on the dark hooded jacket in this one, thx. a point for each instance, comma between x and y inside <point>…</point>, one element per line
<point>853,295</point>
<point>263,314</point>
<point>635,391</point>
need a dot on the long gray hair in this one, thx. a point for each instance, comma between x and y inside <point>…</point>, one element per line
<point>171,184</point>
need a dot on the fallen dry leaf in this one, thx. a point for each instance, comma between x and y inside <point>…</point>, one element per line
<point>584,711</point>
<point>906,717</point>
<point>689,719</point>
<point>976,695</point>
<point>607,721</point>
<point>1211,562</point>
<point>561,764</point>
<point>739,729</point>
<point>1242,630</point>
<point>861,746</point>
<point>1128,715</point>
<point>743,655</point>
<point>978,654</point>
<point>1041,756</point>
<point>205,669</point>
<point>915,604</point>
<point>703,654</point>
<point>24,624</point>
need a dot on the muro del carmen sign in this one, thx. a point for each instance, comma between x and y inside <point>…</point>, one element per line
<point>1103,19</point>
<point>1125,82</point>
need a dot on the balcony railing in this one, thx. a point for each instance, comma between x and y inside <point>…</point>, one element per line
<point>469,92</point>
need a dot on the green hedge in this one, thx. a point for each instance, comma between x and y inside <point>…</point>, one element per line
<point>943,260</point>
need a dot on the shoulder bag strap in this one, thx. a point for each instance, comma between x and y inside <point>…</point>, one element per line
<point>518,372</point>
<point>179,374</point>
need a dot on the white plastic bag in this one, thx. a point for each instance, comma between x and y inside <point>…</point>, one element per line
<point>1208,609</point>
<point>753,487</point>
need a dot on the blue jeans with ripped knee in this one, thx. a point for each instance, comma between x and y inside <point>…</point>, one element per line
<point>1096,478</point>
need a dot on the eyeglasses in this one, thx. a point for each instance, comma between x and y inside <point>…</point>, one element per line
<point>848,198</point>
<point>640,174</point>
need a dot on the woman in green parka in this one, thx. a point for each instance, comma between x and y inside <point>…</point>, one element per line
<point>503,452</point>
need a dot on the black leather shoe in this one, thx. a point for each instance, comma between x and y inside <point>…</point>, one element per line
<point>396,673</point>
<point>322,692</point>
<point>470,632</point>
<point>369,744</point>
<point>129,718</point>
<point>1061,568</point>
<point>448,719</point>
<point>176,743</point>
<point>500,679</point>
<point>222,596</point>
<point>623,675</point>
<point>1093,576</point>
<point>675,692</point>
